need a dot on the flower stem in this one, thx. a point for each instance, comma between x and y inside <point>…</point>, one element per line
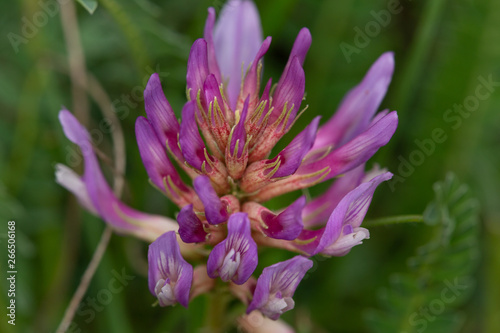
<point>84,283</point>
<point>393,220</point>
<point>216,311</point>
<point>76,57</point>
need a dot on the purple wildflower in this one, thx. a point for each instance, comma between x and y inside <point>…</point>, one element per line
<point>342,230</point>
<point>235,258</point>
<point>94,194</point>
<point>158,166</point>
<point>215,209</point>
<point>276,286</point>
<point>191,228</point>
<point>223,143</point>
<point>170,276</point>
<point>237,38</point>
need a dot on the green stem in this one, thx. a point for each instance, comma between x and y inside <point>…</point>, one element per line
<point>69,314</point>
<point>216,311</point>
<point>393,220</point>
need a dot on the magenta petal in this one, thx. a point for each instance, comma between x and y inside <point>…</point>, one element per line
<point>214,114</point>
<point>71,181</point>
<point>211,92</point>
<point>235,258</point>
<point>215,210</point>
<point>237,38</point>
<point>356,151</point>
<point>239,133</point>
<point>291,85</point>
<point>309,240</point>
<point>211,89</point>
<point>349,238</point>
<point>169,275</point>
<point>291,157</point>
<point>208,35</point>
<point>161,115</point>
<point>276,286</point>
<point>299,49</point>
<point>349,214</point>
<point>197,69</point>
<point>358,106</point>
<point>301,45</point>
<point>154,157</point>
<point>265,95</point>
<point>289,92</point>
<point>192,145</point>
<point>121,217</point>
<point>251,84</point>
<point>319,209</point>
<point>98,190</point>
<point>287,224</point>
<point>190,226</point>
<point>75,132</point>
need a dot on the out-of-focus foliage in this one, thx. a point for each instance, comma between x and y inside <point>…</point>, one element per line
<point>424,299</point>
<point>89,5</point>
<point>445,52</point>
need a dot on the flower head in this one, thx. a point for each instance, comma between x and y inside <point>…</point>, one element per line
<point>224,141</point>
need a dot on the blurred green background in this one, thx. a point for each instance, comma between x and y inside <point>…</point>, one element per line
<point>444,51</point>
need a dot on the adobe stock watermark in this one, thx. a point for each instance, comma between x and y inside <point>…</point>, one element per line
<point>373,28</point>
<point>454,118</point>
<point>429,313</point>
<point>92,305</point>
<point>30,26</point>
<point>121,107</point>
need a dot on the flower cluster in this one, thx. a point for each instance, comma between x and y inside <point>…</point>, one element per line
<point>223,142</point>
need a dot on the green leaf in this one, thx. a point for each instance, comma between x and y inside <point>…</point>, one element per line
<point>89,5</point>
<point>439,277</point>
